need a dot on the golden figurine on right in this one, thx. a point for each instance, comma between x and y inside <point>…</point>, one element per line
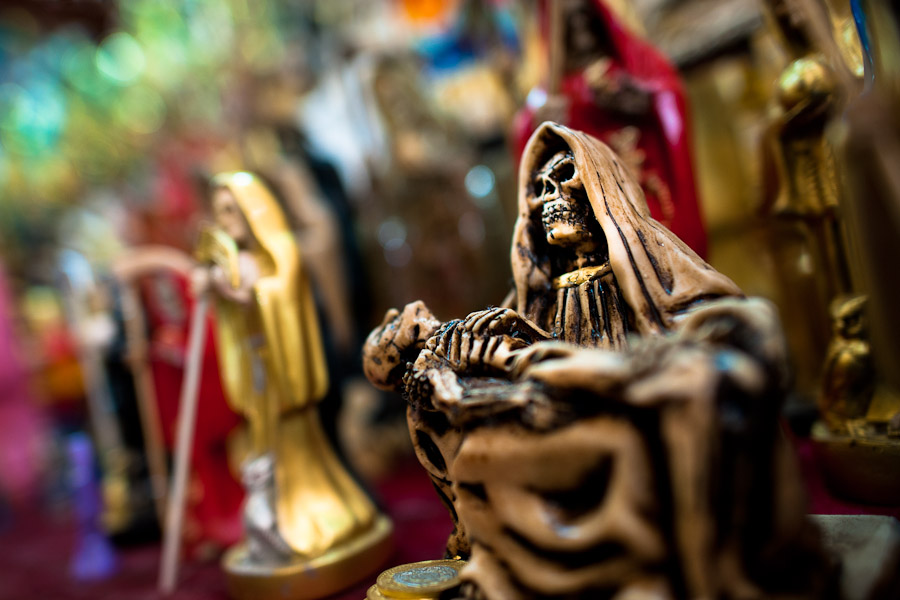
<point>861,461</point>
<point>802,193</point>
<point>825,305</point>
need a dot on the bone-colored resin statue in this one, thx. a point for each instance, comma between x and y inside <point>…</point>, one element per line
<point>615,431</point>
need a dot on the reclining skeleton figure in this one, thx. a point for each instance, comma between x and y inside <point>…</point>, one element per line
<point>617,429</point>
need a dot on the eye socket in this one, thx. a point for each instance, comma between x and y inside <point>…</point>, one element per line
<point>565,172</point>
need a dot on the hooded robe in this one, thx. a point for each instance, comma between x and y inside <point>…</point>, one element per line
<point>273,370</point>
<point>657,277</point>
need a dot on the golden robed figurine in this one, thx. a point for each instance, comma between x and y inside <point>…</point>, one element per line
<point>309,528</point>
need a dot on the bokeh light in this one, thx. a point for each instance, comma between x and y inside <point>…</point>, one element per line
<point>120,58</point>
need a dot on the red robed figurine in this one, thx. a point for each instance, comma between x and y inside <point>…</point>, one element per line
<point>619,89</point>
<point>214,494</point>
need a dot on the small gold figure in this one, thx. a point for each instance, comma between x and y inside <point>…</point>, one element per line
<point>856,442</point>
<point>301,502</point>
<point>848,381</point>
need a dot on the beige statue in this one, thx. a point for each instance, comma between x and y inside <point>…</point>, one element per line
<point>615,431</point>
<point>301,502</point>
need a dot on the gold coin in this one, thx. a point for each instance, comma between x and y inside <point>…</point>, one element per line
<point>426,579</point>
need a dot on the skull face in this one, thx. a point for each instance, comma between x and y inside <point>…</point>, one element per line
<point>229,217</point>
<point>586,38</point>
<point>565,209</point>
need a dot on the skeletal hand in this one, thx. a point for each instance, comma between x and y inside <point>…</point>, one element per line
<point>471,354</point>
<point>483,342</point>
<point>398,340</point>
<point>503,321</point>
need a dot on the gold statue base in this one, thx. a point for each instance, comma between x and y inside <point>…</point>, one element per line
<point>861,469</point>
<point>337,569</point>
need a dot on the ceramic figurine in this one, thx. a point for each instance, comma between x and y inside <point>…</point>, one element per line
<point>309,529</point>
<point>803,203</point>
<point>857,442</point>
<point>608,82</point>
<point>870,130</point>
<point>808,212</point>
<point>155,284</point>
<point>614,431</point>
<point>848,378</point>
<point>126,501</point>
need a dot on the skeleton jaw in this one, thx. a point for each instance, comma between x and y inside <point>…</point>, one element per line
<point>566,227</point>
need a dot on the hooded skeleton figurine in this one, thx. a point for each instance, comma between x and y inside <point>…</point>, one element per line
<point>590,264</point>
<point>617,431</point>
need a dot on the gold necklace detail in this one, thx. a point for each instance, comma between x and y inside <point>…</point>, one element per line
<point>580,276</point>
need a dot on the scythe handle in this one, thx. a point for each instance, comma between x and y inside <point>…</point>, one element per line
<point>187,416</point>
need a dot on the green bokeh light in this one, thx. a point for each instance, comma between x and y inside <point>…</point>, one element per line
<point>120,58</point>
<point>32,118</point>
<point>74,114</point>
<point>81,73</point>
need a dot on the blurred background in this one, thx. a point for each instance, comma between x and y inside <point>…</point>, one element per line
<point>390,132</point>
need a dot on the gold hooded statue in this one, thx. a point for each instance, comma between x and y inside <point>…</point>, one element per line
<point>273,370</point>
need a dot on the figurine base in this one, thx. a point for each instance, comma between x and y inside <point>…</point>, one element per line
<point>302,579</point>
<point>859,469</point>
